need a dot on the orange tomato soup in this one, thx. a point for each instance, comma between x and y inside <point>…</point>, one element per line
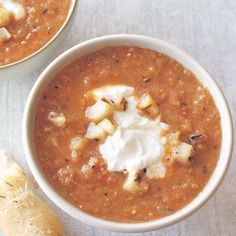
<point>42,21</point>
<point>184,104</point>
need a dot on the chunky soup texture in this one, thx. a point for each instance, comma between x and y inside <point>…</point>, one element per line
<point>184,104</point>
<point>41,22</point>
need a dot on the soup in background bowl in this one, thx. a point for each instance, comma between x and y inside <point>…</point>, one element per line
<point>29,27</point>
<point>122,136</point>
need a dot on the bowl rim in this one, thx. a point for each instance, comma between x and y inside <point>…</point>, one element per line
<point>55,36</point>
<point>75,212</point>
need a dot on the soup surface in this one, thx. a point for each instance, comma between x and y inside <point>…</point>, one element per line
<point>184,104</point>
<point>40,22</point>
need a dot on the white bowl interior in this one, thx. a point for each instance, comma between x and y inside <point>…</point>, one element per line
<point>139,41</point>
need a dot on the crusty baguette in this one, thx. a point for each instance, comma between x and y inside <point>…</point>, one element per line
<point>21,212</point>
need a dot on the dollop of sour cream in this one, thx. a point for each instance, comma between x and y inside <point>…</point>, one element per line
<point>16,8</point>
<point>137,142</point>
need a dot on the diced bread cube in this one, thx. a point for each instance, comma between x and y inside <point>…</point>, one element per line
<point>115,95</point>
<point>148,104</point>
<point>156,171</point>
<point>99,111</point>
<point>4,34</point>
<point>58,118</point>
<point>78,143</point>
<point>131,185</point>
<point>89,165</point>
<point>182,152</point>
<point>145,101</point>
<point>179,151</point>
<point>107,126</point>
<point>95,132</point>
<point>121,104</point>
<point>5,17</point>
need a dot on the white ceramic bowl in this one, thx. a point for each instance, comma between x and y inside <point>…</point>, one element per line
<point>43,55</point>
<point>140,41</point>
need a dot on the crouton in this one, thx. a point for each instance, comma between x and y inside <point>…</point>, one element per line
<point>147,104</point>
<point>99,111</point>
<point>5,17</point>
<point>58,118</point>
<point>107,126</point>
<point>95,132</point>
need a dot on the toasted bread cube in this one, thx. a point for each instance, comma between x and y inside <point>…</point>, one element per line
<point>4,34</point>
<point>182,152</point>
<point>148,104</point>
<point>145,101</point>
<point>107,126</point>
<point>131,185</point>
<point>5,17</point>
<point>95,132</point>
<point>58,118</point>
<point>156,171</point>
<point>88,167</point>
<point>78,143</point>
<point>115,95</point>
<point>99,111</point>
<point>120,104</point>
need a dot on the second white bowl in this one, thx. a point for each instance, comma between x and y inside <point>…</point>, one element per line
<point>43,55</point>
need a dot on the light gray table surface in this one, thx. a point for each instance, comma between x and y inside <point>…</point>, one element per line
<point>206,29</point>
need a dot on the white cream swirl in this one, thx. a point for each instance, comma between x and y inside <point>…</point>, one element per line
<point>137,142</point>
<point>131,149</point>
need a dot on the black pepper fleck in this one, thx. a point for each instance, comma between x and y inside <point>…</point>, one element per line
<point>195,137</point>
<point>191,158</point>
<point>169,209</point>
<point>45,10</point>
<point>146,79</point>
<point>204,169</point>
<point>8,184</point>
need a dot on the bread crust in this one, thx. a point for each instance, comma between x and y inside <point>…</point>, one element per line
<point>22,212</point>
